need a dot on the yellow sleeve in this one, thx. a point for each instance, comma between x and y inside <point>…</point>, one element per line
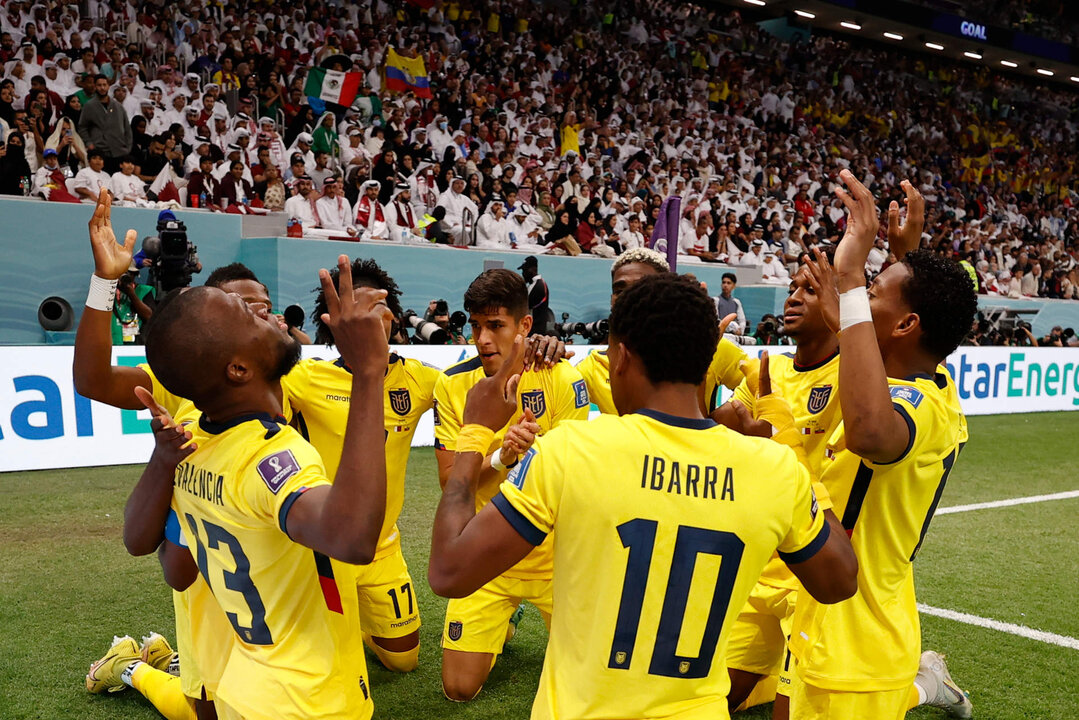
<point>425,378</point>
<point>808,531</point>
<point>911,403</point>
<point>571,394</point>
<point>279,474</point>
<point>162,396</point>
<point>725,364</point>
<point>529,497</point>
<point>447,423</point>
<point>747,397</point>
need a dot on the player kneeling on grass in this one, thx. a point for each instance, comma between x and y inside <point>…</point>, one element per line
<point>664,516</point>
<point>478,626</point>
<point>886,467</point>
<point>253,498</point>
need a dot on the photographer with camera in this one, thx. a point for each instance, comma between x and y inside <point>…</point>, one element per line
<point>448,330</point>
<point>769,331</point>
<point>134,306</point>
<point>173,259</point>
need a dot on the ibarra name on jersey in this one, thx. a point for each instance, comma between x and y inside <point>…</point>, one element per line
<point>200,482</point>
<point>684,478</point>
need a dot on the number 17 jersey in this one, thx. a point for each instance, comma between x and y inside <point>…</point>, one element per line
<point>663,526</point>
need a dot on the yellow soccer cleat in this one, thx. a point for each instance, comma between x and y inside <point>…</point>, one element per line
<point>104,675</point>
<point>158,654</point>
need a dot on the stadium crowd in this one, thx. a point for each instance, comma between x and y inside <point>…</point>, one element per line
<point>551,127</point>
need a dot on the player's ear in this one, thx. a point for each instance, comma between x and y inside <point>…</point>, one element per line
<point>907,324</point>
<point>525,325</point>
<point>238,371</point>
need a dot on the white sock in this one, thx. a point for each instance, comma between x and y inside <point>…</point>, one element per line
<point>922,694</point>
<point>125,676</point>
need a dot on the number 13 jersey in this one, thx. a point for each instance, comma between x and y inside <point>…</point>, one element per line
<point>300,651</point>
<point>663,526</point>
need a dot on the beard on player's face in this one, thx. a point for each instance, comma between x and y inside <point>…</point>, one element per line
<point>287,356</point>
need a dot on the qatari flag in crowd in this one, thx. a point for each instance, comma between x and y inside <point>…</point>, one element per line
<point>665,235</point>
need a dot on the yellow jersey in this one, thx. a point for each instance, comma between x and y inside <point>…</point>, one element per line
<point>596,371</point>
<point>317,396</point>
<point>873,640</point>
<point>813,395</point>
<point>297,650</point>
<point>723,370</point>
<point>667,522</point>
<point>203,634</point>
<point>553,395</point>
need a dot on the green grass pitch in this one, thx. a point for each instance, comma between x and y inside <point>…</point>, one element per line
<point>67,586</point>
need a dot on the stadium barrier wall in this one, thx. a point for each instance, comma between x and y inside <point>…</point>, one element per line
<point>45,253</point>
<point>45,424</point>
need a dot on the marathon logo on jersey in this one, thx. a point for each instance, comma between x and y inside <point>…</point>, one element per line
<point>580,392</point>
<point>535,402</point>
<point>278,468</point>
<point>400,401</point>
<point>907,393</point>
<point>818,398</point>
<point>455,629</point>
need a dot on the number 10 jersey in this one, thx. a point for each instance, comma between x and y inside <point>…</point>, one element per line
<point>663,527</point>
<point>300,651</point>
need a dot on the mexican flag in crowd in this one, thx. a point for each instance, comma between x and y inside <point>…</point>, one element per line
<point>332,86</point>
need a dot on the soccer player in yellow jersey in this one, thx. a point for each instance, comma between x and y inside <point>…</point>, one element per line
<point>663,520</point>
<point>317,403</point>
<point>260,514</point>
<point>888,464</point>
<point>807,379</point>
<point>630,267</point>
<point>98,379</point>
<point>476,626</point>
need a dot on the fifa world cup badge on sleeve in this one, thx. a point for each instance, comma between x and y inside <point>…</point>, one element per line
<point>580,393</point>
<point>277,468</point>
<point>906,392</point>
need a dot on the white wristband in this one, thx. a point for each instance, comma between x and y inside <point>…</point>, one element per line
<point>102,294</point>
<point>854,308</point>
<point>496,462</point>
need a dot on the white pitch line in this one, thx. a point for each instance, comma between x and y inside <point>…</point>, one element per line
<point>1007,503</point>
<point>1020,630</point>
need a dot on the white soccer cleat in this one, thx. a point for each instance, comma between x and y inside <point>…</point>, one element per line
<point>940,690</point>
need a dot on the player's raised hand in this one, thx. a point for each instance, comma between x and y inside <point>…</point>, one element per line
<point>822,281</point>
<point>725,323</point>
<point>519,437</point>
<point>111,260</point>
<point>492,401</point>
<point>863,223</point>
<point>908,236</point>
<point>172,442</point>
<point>544,351</point>
<point>357,317</point>
<point>751,425</point>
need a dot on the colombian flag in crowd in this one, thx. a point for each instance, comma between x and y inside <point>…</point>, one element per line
<point>405,73</point>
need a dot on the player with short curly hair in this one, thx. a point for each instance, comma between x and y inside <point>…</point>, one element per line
<point>886,469</point>
<point>639,501</point>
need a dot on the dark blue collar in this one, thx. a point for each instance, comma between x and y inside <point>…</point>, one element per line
<point>676,421</point>
<point>394,357</point>
<point>216,428</point>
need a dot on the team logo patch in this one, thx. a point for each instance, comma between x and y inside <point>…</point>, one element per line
<point>580,392</point>
<point>619,658</point>
<point>906,392</point>
<point>455,629</point>
<point>535,402</point>
<point>818,398</point>
<point>813,506</point>
<point>683,667</point>
<point>277,468</point>
<point>400,401</point>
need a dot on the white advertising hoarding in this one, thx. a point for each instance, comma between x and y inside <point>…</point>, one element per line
<point>45,424</point>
